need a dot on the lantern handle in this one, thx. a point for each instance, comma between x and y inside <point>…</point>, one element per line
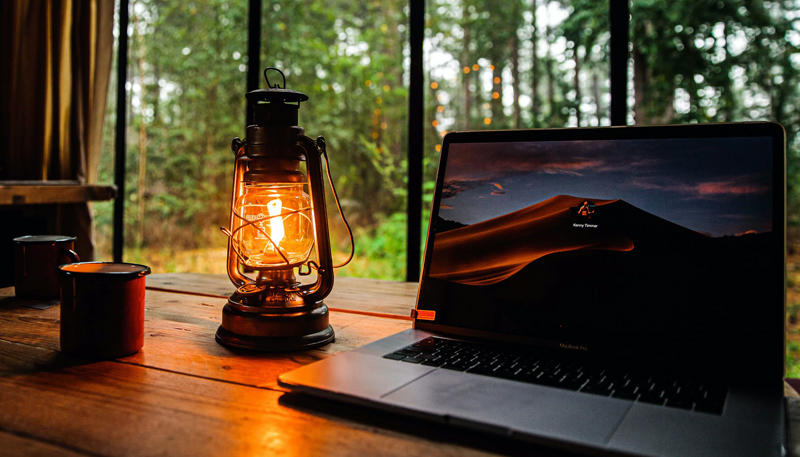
<point>322,286</point>
<point>321,146</point>
<point>237,278</point>
<point>276,85</point>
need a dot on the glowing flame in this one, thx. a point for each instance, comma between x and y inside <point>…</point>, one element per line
<point>275,221</point>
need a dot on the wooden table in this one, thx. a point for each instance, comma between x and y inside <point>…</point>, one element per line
<point>184,394</point>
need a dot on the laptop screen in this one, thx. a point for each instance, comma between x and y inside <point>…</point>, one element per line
<point>667,247</point>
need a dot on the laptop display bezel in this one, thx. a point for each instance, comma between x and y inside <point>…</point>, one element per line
<point>777,300</point>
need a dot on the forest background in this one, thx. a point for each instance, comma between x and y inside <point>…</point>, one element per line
<point>488,65</point>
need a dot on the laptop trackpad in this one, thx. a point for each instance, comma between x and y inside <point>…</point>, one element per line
<point>529,409</point>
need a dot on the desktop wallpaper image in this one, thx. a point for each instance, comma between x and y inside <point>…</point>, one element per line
<point>596,241</point>
<point>719,186</point>
<point>490,188</point>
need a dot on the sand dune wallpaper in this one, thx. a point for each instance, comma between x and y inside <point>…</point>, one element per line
<point>667,232</point>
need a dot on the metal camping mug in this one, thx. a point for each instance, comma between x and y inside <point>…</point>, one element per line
<point>36,262</point>
<point>102,309</point>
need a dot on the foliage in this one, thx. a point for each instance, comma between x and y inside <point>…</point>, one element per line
<point>735,60</point>
<point>488,64</point>
<point>793,359</point>
<point>517,64</point>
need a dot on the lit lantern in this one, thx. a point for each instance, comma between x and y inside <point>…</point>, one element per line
<point>275,227</point>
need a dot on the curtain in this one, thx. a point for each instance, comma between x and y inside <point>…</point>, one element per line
<point>56,59</point>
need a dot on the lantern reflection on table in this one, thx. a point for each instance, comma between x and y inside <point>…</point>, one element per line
<point>275,227</point>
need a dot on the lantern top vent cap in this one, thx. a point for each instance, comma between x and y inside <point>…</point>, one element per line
<point>276,92</point>
<point>276,95</point>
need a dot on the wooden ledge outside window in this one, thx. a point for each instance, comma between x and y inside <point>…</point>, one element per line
<point>50,192</point>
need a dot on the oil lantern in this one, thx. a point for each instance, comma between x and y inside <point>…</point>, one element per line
<point>277,222</point>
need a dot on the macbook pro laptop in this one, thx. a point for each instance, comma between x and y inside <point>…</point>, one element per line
<point>614,291</point>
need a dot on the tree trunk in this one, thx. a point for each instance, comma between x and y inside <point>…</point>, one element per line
<point>577,86</point>
<point>142,136</point>
<point>596,96</point>
<point>640,85</point>
<point>777,101</point>
<point>647,109</point>
<point>727,96</point>
<point>498,115</point>
<point>393,38</point>
<point>515,80</point>
<point>534,70</point>
<point>156,71</point>
<point>467,79</point>
<point>551,91</point>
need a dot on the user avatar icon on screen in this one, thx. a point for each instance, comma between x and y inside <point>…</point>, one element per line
<point>586,209</point>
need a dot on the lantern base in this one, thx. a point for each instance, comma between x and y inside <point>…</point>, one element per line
<point>275,344</point>
<point>275,329</point>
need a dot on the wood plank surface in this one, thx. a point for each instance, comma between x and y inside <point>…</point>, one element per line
<point>793,425</point>
<point>179,337</point>
<point>22,446</point>
<point>111,408</point>
<point>184,394</point>
<point>351,294</point>
<point>44,192</point>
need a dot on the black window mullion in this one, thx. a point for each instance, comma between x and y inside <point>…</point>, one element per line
<point>119,134</point>
<point>253,50</point>
<point>619,21</point>
<point>415,141</point>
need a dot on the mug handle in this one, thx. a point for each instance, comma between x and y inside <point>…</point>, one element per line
<point>70,254</point>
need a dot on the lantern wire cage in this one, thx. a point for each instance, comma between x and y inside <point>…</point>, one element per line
<point>303,212</point>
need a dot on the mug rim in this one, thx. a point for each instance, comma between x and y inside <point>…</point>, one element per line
<point>43,239</point>
<point>141,271</point>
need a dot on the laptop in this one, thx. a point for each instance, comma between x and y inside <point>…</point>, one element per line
<point>614,291</point>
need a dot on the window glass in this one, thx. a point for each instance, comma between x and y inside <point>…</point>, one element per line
<point>506,65</point>
<point>350,58</point>
<point>715,61</point>
<point>103,212</point>
<point>186,101</point>
<point>186,80</point>
<point>533,63</point>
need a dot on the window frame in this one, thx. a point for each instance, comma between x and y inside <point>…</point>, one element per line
<point>619,19</point>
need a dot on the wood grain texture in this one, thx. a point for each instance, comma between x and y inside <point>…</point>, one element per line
<point>22,446</point>
<point>43,192</point>
<point>793,425</point>
<point>184,394</point>
<point>179,337</point>
<point>111,408</point>
<point>355,294</point>
<point>27,325</point>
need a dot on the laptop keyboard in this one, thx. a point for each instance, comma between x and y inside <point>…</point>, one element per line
<point>564,374</point>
